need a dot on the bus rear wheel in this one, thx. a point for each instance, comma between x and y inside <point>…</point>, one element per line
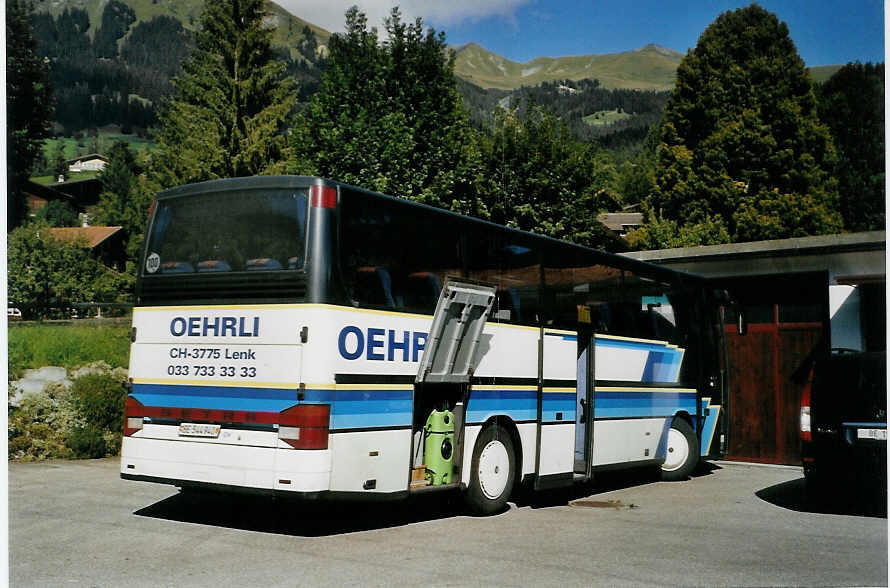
<point>493,472</point>
<point>682,452</point>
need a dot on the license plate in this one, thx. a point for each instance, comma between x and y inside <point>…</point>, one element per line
<point>198,430</point>
<point>877,434</point>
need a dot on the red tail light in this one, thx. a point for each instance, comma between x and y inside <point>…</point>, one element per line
<point>305,426</point>
<point>806,425</point>
<point>133,413</point>
<point>323,197</point>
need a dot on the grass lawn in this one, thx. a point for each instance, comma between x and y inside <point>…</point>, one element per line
<point>74,177</point>
<point>107,138</point>
<point>34,345</point>
<point>605,117</point>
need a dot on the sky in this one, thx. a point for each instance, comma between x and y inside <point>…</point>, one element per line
<point>826,32</point>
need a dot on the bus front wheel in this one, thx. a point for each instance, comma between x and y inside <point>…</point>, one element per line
<point>493,472</point>
<point>682,452</point>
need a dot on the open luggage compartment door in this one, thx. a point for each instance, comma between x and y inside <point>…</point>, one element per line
<point>454,336</point>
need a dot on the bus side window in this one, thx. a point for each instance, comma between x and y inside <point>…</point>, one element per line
<point>508,305</point>
<point>373,287</point>
<point>421,291</point>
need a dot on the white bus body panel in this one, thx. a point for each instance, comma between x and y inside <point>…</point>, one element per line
<point>244,466</point>
<point>347,359</point>
<point>381,456</point>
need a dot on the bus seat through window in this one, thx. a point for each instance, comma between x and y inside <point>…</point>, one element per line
<point>373,286</point>
<point>176,267</point>
<point>263,263</point>
<point>214,265</point>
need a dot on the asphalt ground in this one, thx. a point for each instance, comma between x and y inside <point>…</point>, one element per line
<point>77,523</point>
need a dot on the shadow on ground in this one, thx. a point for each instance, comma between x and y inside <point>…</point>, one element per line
<point>302,518</point>
<point>839,500</point>
<point>603,482</point>
<point>317,518</point>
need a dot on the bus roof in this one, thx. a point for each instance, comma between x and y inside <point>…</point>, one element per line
<point>305,182</point>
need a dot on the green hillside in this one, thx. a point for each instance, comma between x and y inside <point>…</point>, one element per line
<point>287,26</point>
<point>649,68</point>
<point>821,73</point>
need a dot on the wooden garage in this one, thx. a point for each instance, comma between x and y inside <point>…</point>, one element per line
<point>794,301</point>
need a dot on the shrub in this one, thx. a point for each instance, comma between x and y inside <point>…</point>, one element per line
<point>38,427</point>
<point>87,442</point>
<point>83,421</point>
<point>99,399</point>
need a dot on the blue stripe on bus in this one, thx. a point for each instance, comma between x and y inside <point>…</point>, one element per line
<point>662,366</point>
<point>359,409</point>
<point>519,405</point>
<point>563,336</point>
<point>636,404</point>
<point>642,404</point>
<point>216,397</point>
<point>393,408</point>
<point>349,408</point>
<point>556,402</point>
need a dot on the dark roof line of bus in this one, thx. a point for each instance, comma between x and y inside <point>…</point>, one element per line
<point>268,182</point>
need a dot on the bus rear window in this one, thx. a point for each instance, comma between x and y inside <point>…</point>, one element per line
<point>232,231</point>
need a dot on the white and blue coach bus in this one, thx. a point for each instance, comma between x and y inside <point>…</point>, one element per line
<point>280,323</point>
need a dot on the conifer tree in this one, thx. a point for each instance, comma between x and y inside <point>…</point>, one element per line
<point>28,105</point>
<point>851,103</point>
<point>233,102</point>
<point>125,198</point>
<point>743,155</point>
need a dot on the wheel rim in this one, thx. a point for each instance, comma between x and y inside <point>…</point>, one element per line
<point>677,451</point>
<point>494,469</point>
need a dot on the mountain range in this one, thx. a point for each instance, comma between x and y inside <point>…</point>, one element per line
<point>649,68</point>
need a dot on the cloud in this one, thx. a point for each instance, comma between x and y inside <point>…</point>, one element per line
<point>328,14</point>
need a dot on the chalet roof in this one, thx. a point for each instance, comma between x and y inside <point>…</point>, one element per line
<point>92,236</point>
<point>88,157</point>
<point>47,192</point>
<point>617,221</point>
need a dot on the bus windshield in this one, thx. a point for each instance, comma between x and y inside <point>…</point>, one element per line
<point>232,231</point>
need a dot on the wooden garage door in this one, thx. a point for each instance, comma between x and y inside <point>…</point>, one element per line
<point>770,367</point>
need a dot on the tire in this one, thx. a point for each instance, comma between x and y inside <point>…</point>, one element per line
<point>682,452</point>
<point>493,472</point>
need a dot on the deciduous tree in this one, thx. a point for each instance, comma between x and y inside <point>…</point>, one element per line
<point>57,213</point>
<point>45,271</point>
<point>388,117</point>
<point>539,178</point>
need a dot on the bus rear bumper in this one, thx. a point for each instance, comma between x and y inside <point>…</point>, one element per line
<point>260,468</point>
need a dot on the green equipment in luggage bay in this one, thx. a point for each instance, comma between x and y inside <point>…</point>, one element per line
<point>438,446</point>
